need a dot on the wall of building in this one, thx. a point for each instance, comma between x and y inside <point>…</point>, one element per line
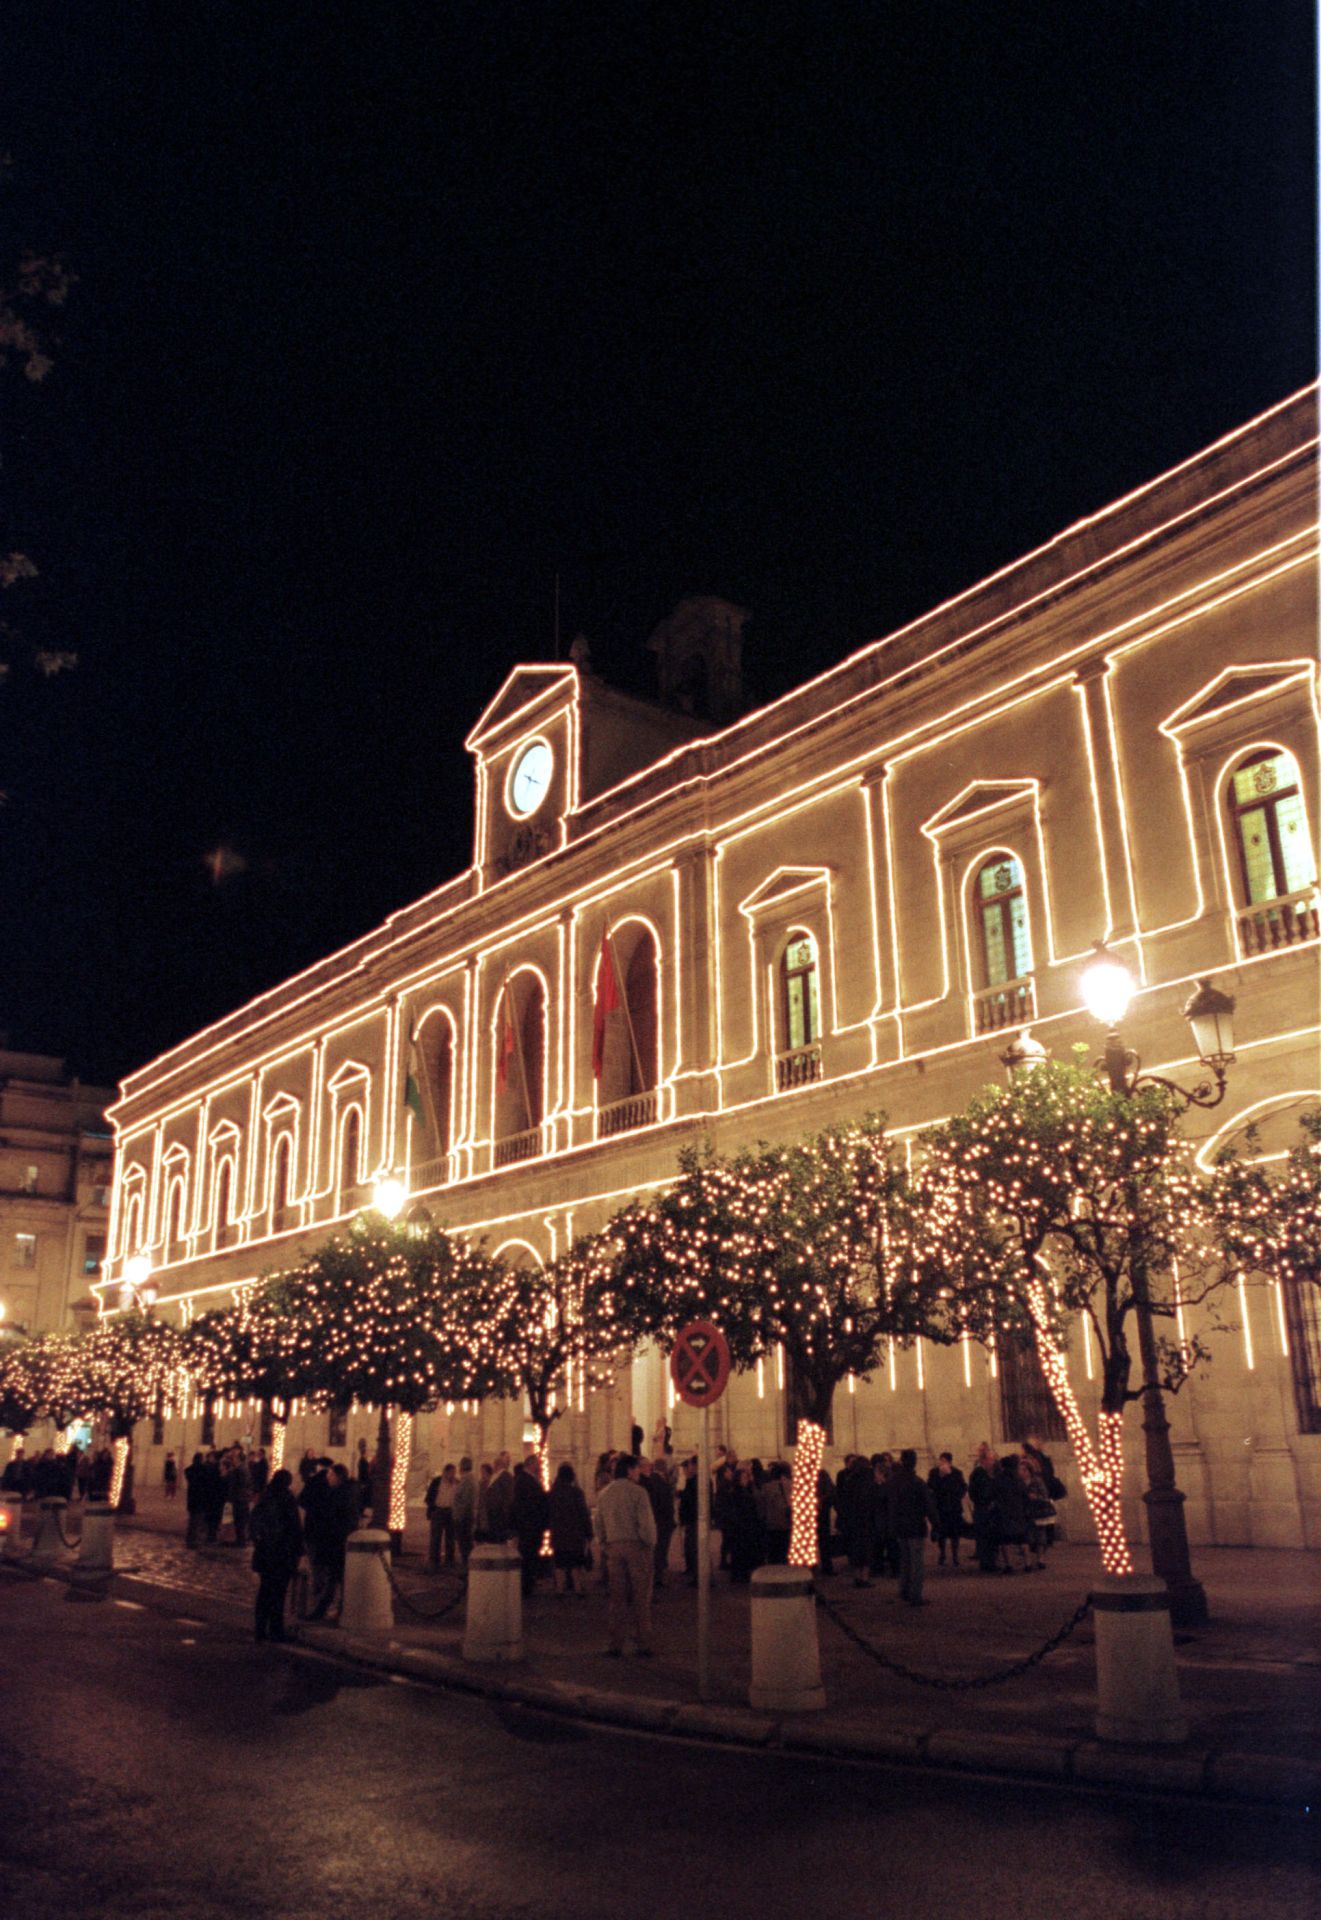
<point>1079,715</point>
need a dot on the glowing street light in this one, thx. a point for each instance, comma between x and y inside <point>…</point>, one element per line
<point>138,1288</point>
<point>388,1197</point>
<point>1107,987</point>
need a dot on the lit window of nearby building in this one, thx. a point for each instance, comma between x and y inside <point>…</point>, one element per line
<point>1270,828</point>
<point>1006,950</point>
<point>25,1250</point>
<point>798,988</point>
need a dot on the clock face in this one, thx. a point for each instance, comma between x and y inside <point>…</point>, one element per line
<point>529,782</point>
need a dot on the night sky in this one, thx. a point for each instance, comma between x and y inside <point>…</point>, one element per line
<point>388,313</point>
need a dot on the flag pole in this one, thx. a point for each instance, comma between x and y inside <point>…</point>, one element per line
<point>516,1030</point>
<point>623,997</point>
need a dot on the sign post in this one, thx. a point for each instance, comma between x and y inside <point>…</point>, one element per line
<point>699,1368</point>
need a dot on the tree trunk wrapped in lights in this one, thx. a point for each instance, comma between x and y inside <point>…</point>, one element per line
<point>809,1247</point>
<point>1059,1197</point>
<point>403,1448</point>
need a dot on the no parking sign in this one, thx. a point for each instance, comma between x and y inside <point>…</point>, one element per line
<point>699,1365</point>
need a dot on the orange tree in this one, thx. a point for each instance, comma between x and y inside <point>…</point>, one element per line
<point>1057,1197</point>
<point>1270,1212</point>
<point>365,1319</point>
<point>543,1331</point>
<point>39,1381</point>
<point>124,1369</point>
<point>809,1248</point>
<point>239,1353</point>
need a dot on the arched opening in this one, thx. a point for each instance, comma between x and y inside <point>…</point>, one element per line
<point>798,1016</point>
<point>174,1219</point>
<point>224,1213</point>
<point>282,1172</point>
<point>349,1159</point>
<point>1272,850</point>
<point>1001,945</point>
<point>133,1222</point>
<point>628,1017</point>
<point>434,1068</point>
<point>520,1049</point>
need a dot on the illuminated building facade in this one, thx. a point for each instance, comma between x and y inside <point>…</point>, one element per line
<point>55,1181</point>
<point>844,902</point>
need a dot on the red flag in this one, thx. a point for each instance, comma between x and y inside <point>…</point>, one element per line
<point>607,999</point>
<point>506,1046</point>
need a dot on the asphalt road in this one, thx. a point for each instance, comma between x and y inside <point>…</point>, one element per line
<point>172,1771</point>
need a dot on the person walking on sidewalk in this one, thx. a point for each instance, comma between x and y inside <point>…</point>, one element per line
<point>529,1514</point>
<point>948,1488</point>
<point>570,1530</point>
<point>626,1528</point>
<point>277,1547</point>
<point>465,1509</point>
<point>911,1507</point>
<point>440,1515</point>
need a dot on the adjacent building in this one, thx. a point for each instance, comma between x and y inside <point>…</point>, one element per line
<point>848,900</point>
<point>56,1164</point>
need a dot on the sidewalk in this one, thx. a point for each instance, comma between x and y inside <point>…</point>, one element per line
<point>1250,1680</point>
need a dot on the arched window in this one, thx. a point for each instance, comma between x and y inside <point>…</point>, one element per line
<point>1002,945</point>
<point>174,1219</point>
<point>1268,824</point>
<point>133,1222</point>
<point>350,1156</point>
<point>629,1035</point>
<point>799,1058</point>
<point>520,1040</point>
<point>433,1070</point>
<point>281,1181</point>
<point>224,1202</point>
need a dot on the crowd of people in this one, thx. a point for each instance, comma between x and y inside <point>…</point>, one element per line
<point>876,1515</point>
<point>81,1473</point>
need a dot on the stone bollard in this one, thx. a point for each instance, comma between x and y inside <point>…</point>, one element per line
<point>1136,1684</point>
<point>786,1660</point>
<point>49,1543</point>
<point>11,1524</point>
<point>368,1605</point>
<point>96,1549</point>
<point>494,1625</point>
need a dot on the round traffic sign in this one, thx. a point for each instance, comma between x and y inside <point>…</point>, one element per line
<point>699,1365</point>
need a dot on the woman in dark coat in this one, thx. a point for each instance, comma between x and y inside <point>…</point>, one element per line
<point>277,1547</point>
<point>746,1540</point>
<point>1011,1511</point>
<point>570,1530</point>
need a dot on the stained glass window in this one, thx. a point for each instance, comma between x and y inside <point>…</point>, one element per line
<point>1274,851</point>
<point>1002,907</point>
<point>802,1018</point>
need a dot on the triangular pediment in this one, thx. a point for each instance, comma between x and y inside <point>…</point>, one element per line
<point>784,884</point>
<point>525,690</point>
<point>981,796</point>
<point>1234,687</point>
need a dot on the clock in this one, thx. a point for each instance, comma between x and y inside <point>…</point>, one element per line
<point>529,779</point>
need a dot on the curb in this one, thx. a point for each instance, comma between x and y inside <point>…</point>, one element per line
<point>1227,1778</point>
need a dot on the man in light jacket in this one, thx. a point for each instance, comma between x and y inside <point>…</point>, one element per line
<point>626,1528</point>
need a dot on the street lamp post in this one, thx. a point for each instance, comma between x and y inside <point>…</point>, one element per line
<point>1108,988</point>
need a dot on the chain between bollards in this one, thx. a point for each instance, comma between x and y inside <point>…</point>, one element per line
<point>422,1613</point>
<point>958,1683</point>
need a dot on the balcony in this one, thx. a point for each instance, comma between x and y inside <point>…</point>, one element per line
<point>517,1146</point>
<point>626,1116</point>
<point>1011,1004</point>
<point>797,1068</point>
<point>1275,924</point>
<point>425,1174</point>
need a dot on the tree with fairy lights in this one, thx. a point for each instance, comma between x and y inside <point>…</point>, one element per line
<point>1270,1211</point>
<point>1058,1197</point>
<point>38,1381</point>
<point>547,1332</point>
<point>808,1248</point>
<point>239,1353</point>
<point>124,1370</point>
<point>364,1320</point>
